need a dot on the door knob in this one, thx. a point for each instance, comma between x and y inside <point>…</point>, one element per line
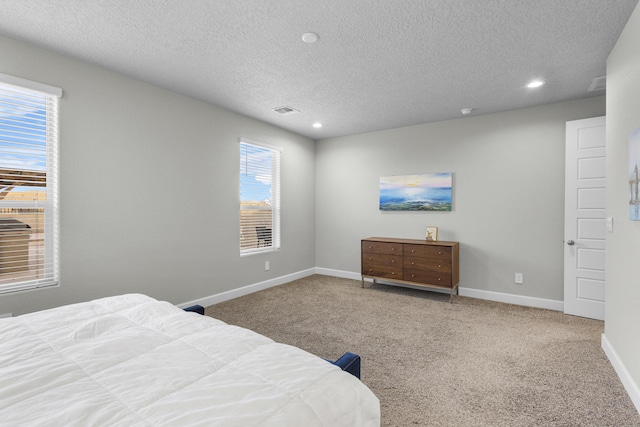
<point>570,242</point>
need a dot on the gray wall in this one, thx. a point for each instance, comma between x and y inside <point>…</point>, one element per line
<point>622,314</point>
<point>149,189</point>
<point>508,197</point>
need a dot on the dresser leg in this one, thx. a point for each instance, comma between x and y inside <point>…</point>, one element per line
<point>363,281</point>
<point>457,293</point>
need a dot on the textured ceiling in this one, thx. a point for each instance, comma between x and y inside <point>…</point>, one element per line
<point>379,64</point>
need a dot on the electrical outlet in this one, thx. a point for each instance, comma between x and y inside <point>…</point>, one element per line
<point>266,266</point>
<point>519,279</point>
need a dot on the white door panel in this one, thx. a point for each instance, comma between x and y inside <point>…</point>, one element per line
<point>591,228</point>
<point>591,289</point>
<point>590,259</point>
<point>585,223</point>
<point>591,198</point>
<point>591,136</point>
<point>591,168</point>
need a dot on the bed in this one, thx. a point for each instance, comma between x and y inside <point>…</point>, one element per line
<point>131,360</point>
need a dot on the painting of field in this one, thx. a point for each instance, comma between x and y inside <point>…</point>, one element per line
<point>423,192</point>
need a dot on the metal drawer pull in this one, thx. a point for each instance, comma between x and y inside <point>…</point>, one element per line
<point>439,265</point>
<point>393,249</point>
<point>440,253</point>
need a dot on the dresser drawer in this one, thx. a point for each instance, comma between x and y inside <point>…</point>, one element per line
<point>370,259</point>
<point>383,271</point>
<point>426,251</point>
<point>427,277</point>
<point>428,264</point>
<point>382,247</point>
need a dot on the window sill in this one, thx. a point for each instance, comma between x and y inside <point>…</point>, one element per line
<point>258,251</point>
<point>20,287</point>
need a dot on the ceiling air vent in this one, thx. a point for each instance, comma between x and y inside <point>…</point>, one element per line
<point>599,83</point>
<point>285,110</point>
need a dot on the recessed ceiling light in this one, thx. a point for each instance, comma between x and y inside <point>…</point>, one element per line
<point>466,111</point>
<point>535,83</point>
<point>317,125</point>
<point>310,37</point>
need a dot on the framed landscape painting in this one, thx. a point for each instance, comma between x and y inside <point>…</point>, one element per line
<point>423,192</point>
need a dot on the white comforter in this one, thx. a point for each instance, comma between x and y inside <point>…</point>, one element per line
<point>134,361</point>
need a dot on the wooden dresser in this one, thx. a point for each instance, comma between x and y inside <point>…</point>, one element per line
<point>416,262</point>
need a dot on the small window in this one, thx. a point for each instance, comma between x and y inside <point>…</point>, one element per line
<point>28,184</point>
<point>259,197</point>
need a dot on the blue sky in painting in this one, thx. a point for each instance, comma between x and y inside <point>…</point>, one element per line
<point>416,187</point>
<point>634,151</point>
<point>416,192</point>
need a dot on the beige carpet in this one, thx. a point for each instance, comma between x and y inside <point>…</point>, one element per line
<point>432,363</point>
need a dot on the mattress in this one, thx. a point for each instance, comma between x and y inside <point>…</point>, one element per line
<point>133,361</point>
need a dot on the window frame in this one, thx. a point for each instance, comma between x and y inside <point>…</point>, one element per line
<point>50,259</point>
<point>275,207</point>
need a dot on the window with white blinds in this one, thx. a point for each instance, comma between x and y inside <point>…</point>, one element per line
<point>259,197</point>
<point>28,184</point>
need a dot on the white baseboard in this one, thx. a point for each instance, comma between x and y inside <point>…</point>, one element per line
<point>338,273</point>
<point>513,299</point>
<point>466,292</point>
<point>249,289</point>
<point>627,381</point>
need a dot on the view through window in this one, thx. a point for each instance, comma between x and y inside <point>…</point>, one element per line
<point>259,197</point>
<point>28,199</point>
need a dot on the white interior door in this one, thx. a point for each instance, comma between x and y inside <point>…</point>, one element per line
<point>585,223</point>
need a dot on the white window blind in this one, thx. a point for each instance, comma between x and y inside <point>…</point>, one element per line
<point>28,184</point>
<point>259,197</point>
